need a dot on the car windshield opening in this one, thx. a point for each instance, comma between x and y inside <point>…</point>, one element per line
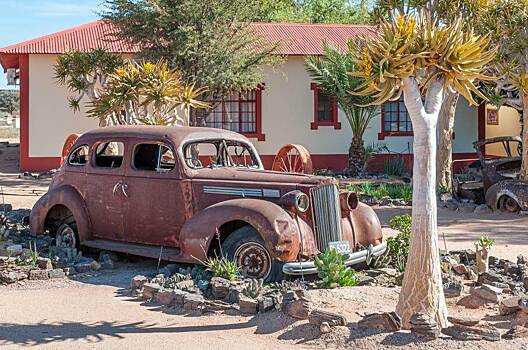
<point>220,153</point>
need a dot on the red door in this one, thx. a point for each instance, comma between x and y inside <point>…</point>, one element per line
<point>157,203</point>
<point>103,192</point>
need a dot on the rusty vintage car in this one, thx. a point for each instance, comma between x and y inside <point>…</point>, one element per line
<point>500,173</point>
<point>184,193</point>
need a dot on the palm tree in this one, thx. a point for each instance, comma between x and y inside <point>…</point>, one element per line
<point>331,74</point>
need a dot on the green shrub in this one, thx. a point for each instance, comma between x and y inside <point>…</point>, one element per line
<point>224,268</point>
<point>378,191</point>
<point>484,242</point>
<point>332,270</point>
<point>398,247</point>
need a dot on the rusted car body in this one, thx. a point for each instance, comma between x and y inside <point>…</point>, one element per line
<point>503,191</point>
<point>186,193</point>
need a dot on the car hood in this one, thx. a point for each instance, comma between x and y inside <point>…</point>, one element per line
<point>259,175</point>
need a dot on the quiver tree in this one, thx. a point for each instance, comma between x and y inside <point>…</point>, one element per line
<point>419,57</point>
<point>330,73</point>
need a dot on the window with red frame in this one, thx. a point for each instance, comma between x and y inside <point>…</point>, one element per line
<point>325,110</point>
<point>395,120</point>
<point>239,112</point>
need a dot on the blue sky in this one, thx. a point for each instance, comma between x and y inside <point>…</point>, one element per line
<point>27,19</point>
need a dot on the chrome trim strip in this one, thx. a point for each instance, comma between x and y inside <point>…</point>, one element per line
<point>242,192</point>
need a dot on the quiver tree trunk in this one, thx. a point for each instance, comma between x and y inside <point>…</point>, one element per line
<point>524,167</point>
<point>482,258</point>
<point>444,154</point>
<point>422,290</point>
<point>356,156</point>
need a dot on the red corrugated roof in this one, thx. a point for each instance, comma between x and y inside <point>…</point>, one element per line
<point>296,39</point>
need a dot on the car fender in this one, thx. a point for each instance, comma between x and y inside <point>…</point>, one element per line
<point>64,195</point>
<point>279,230</point>
<point>362,226</point>
<point>517,190</point>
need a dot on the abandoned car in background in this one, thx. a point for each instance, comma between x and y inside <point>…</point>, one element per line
<point>186,193</point>
<point>498,183</point>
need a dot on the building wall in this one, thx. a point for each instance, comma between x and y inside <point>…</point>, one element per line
<point>509,125</point>
<point>287,111</point>
<point>51,120</point>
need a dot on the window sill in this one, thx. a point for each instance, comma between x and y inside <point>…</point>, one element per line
<point>258,136</point>
<point>383,135</point>
<point>316,125</point>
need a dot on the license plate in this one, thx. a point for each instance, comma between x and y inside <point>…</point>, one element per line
<point>342,247</point>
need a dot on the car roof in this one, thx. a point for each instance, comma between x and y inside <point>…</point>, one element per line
<point>179,134</point>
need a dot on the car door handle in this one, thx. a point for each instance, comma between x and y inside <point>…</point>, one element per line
<point>124,186</point>
<point>116,186</point>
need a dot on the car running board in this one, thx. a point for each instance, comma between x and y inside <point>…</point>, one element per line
<point>169,254</point>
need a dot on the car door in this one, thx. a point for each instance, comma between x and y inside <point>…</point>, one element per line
<point>157,205</point>
<point>104,192</point>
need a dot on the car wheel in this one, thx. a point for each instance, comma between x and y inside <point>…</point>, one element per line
<point>247,249</point>
<point>508,204</point>
<point>67,236</point>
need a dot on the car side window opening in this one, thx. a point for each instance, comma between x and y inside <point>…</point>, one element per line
<point>219,153</point>
<point>109,154</point>
<point>153,157</point>
<point>79,156</point>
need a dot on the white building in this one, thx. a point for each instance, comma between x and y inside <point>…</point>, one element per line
<point>287,109</point>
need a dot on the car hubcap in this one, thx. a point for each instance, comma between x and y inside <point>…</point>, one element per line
<point>253,260</point>
<point>510,205</point>
<point>66,237</point>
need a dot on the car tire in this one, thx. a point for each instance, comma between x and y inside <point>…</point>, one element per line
<point>508,204</point>
<point>245,247</point>
<point>67,233</point>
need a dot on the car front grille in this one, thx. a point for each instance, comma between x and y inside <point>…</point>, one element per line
<point>327,215</point>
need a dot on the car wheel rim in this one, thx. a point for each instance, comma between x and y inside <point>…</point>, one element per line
<point>510,205</point>
<point>66,236</point>
<point>253,260</point>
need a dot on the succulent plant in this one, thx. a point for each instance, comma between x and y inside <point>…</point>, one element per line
<point>253,288</point>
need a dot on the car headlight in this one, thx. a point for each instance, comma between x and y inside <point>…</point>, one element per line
<point>295,201</point>
<point>302,202</point>
<point>348,200</point>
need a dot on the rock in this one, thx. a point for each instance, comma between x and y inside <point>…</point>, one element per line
<point>44,263</point>
<point>452,289</point>
<point>68,271</point>
<point>462,332</point>
<point>216,305</point>
<point>56,273</point>
<point>318,317</point>
<point>424,326</point>
<point>233,296</point>
<point>179,297</point>
<point>150,290</point>
<point>525,282</point>
<point>164,297</point>
<point>83,267</point>
<point>248,305</point>
<point>467,207</point>
<point>509,305</point>
<point>12,276</point>
<point>482,209</point>
<point>472,302</point>
<point>14,250</point>
<point>522,260</point>
<point>366,280</point>
<point>387,321</point>
<point>220,287</point>
<point>138,281</point>
<point>265,304</point>
<point>516,332</point>
<point>299,309</point>
<point>489,278</point>
<point>325,328</point>
<point>488,293</point>
<point>187,285</point>
<point>463,321</point>
<point>452,204</point>
<point>38,274</point>
<point>523,305</point>
<point>5,207</point>
<point>193,301</point>
<point>471,275</point>
<point>460,269</point>
<point>105,256</point>
<point>95,266</point>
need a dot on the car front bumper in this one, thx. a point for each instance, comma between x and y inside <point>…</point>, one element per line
<point>308,267</point>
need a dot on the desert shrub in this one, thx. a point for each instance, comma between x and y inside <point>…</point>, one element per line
<point>378,191</point>
<point>332,270</point>
<point>484,242</point>
<point>394,166</point>
<point>224,268</point>
<point>398,247</point>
